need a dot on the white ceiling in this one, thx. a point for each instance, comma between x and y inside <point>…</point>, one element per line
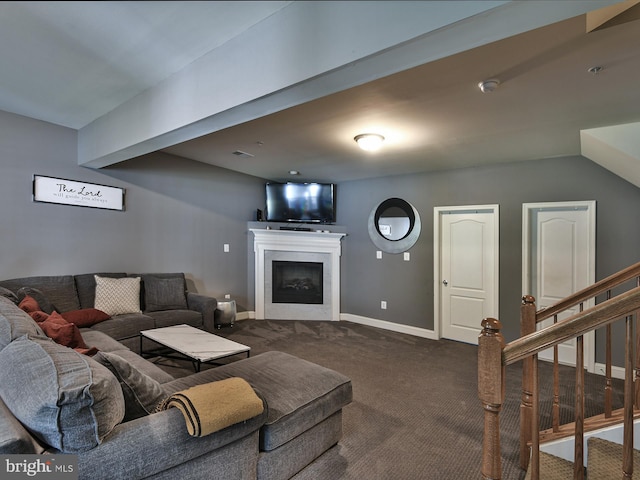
<point>73,63</point>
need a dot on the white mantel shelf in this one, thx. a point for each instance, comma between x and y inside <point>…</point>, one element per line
<point>290,239</point>
<point>273,240</point>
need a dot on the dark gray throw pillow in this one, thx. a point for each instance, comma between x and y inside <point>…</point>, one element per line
<point>45,305</point>
<point>164,294</point>
<point>5,292</point>
<point>141,392</point>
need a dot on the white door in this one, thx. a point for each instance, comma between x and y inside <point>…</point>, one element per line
<point>559,260</point>
<point>466,269</point>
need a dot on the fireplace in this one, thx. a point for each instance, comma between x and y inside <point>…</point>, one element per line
<point>296,282</point>
<point>297,275</point>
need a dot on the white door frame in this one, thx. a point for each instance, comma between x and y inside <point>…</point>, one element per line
<point>527,211</point>
<point>437,271</point>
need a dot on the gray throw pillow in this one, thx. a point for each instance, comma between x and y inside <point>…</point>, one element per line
<point>67,400</point>
<point>5,292</point>
<point>164,294</point>
<point>142,394</point>
<point>45,305</point>
<point>14,323</point>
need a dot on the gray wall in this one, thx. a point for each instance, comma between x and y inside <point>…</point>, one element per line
<point>179,213</point>
<point>408,286</point>
<point>178,216</point>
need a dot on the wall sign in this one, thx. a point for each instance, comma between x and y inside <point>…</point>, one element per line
<point>71,192</point>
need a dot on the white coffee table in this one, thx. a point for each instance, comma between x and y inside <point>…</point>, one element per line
<point>195,344</point>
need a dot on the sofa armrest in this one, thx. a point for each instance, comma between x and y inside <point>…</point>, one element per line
<point>166,444</point>
<point>206,306</point>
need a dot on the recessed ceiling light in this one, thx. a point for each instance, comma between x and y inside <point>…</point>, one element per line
<point>369,141</point>
<point>294,172</point>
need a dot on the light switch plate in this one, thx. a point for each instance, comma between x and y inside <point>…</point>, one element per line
<point>407,256</point>
<point>379,254</point>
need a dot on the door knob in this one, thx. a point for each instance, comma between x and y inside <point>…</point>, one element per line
<point>445,283</point>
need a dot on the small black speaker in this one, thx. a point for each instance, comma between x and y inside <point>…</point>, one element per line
<point>259,215</point>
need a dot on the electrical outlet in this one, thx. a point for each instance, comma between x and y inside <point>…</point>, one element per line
<point>227,295</point>
<point>225,247</point>
<point>407,256</point>
<point>383,304</point>
<point>379,254</point>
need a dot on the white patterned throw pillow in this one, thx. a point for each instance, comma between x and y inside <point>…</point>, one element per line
<point>116,296</point>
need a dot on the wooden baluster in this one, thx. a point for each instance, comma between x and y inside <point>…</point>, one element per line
<point>534,468</point>
<point>527,326</point>
<point>578,462</point>
<point>637,375</point>
<point>555,410</point>
<point>491,390</point>
<point>608,389</point>
<point>627,445</point>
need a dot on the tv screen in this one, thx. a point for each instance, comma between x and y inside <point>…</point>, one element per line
<point>300,202</point>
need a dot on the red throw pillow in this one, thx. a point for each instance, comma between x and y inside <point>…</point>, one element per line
<point>62,332</point>
<point>29,304</point>
<point>39,316</point>
<point>85,317</point>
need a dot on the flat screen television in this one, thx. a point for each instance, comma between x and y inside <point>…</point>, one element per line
<point>300,202</point>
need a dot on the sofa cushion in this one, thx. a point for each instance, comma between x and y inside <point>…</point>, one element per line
<point>116,296</point>
<point>144,366</point>
<point>15,323</point>
<point>142,394</point>
<point>167,318</point>
<point>164,293</point>
<point>60,290</point>
<point>127,325</point>
<point>68,400</point>
<point>299,393</point>
<point>43,302</point>
<point>85,317</point>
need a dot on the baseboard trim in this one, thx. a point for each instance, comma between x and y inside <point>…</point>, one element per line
<point>616,372</point>
<point>246,315</point>
<point>394,327</point>
<point>372,322</point>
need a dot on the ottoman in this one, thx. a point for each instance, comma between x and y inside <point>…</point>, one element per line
<point>304,401</point>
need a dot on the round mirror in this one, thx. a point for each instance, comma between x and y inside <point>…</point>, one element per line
<point>394,225</point>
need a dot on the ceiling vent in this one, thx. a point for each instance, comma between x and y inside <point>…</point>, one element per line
<point>240,153</point>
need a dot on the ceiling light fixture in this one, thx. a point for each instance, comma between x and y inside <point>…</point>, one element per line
<point>369,141</point>
<point>489,86</point>
<point>294,172</point>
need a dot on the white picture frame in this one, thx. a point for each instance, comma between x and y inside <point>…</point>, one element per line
<point>81,194</point>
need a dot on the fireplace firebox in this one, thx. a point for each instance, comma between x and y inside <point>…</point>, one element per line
<point>297,282</point>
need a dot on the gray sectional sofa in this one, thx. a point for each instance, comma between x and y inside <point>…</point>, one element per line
<point>163,301</point>
<point>56,400</point>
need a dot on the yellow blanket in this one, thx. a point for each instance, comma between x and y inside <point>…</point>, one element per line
<point>213,406</point>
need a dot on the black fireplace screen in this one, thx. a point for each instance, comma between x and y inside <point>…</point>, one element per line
<point>297,282</point>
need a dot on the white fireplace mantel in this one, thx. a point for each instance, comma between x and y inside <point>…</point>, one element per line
<point>298,242</point>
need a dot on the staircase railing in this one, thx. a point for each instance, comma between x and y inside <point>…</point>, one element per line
<point>621,303</point>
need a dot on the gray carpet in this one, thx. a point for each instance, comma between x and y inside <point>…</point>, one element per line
<point>415,413</point>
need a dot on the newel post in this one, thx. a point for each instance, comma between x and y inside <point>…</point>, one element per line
<point>527,326</point>
<point>491,390</point>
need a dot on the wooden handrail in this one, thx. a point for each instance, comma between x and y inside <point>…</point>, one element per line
<point>590,292</point>
<point>572,327</point>
<point>494,356</point>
